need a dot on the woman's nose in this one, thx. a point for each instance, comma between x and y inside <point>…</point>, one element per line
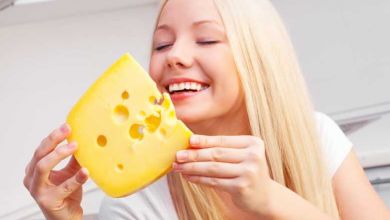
<point>179,56</point>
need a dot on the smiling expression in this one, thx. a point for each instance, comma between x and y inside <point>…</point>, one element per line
<point>192,60</point>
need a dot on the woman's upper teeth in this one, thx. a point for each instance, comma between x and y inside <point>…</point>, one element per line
<point>185,85</point>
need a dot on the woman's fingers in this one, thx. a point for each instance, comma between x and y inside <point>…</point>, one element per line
<point>47,163</point>
<point>209,169</point>
<point>72,184</point>
<point>204,141</point>
<point>52,199</point>
<point>222,183</point>
<point>58,176</point>
<point>72,165</point>
<point>218,154</point>
<point>231,185</point>
<point>47,145</point>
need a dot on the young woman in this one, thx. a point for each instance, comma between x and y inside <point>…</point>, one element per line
<point>261,152</point>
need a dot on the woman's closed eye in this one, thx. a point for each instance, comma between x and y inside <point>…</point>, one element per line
<point>162,47</point>
<point>208,42</point>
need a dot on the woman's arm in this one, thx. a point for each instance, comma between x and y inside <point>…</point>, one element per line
<point>286,204</point>
<point>356,198</point>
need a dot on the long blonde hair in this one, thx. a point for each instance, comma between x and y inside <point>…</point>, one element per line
<point>279,111</point>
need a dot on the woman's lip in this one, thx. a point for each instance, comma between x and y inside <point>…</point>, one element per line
<point>184,95</point>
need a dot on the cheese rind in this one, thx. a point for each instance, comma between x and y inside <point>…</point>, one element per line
<point>126,130</point>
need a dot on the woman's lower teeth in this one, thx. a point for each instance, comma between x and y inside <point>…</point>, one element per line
<point>185,91</point>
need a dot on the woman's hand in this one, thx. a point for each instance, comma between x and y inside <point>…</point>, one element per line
<point>58,193</point>
<point>235,164</point>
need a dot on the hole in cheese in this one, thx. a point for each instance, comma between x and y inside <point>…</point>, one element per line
<point>152,122</point>
<point>121,114</point>
<point>102,140</point>
<point>119,167</point>
<point>165,104</point>
<point>125,95</point>
<point>136,131</point>
<point>152,100</point>
<point>172,115</point>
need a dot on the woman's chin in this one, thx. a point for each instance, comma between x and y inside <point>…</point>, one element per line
<point>189,117</point>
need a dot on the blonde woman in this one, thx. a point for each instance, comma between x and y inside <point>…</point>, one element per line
<point>260,152</point>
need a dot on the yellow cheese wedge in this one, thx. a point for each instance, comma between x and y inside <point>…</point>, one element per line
<point>127,131</point>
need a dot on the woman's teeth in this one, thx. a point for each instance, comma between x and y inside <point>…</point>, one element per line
<point>189,86</point>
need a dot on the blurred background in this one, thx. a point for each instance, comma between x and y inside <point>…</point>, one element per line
<point>52,51</point>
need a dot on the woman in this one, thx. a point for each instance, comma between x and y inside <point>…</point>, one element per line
<point>263,153</point>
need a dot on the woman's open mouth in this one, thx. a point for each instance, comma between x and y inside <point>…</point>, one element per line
<point>180,91</point>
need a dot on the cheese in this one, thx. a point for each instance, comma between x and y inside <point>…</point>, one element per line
<point>126,130</point>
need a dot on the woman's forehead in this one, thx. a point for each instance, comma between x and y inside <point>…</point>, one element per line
<point>189,11</point>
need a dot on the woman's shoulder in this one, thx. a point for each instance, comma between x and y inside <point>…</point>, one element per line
<point>324,121</point>
<point>335,144</point>
<point>151,202</point>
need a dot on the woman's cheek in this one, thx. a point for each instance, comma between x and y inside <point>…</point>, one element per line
<point>155,68</point>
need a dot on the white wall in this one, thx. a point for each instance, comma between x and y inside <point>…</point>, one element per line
<point>343,46</point>
<point>45,66</point>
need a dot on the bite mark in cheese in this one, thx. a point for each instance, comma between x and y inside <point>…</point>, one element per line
<point>126,130</point>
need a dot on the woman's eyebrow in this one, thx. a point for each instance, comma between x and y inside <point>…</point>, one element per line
<point>219,27</point>
<point>163,26</point>
<point>196,23</point>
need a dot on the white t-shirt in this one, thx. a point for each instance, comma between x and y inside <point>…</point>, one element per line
<point>154,201</point>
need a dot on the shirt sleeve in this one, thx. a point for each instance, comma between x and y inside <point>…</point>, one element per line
<point>334,143</point>
<point>152,202</point>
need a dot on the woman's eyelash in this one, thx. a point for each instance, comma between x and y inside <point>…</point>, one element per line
<point>208,42</point>
<point>162,47</point>
<point>201,42</point>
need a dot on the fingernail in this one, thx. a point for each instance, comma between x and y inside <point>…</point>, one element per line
<point>72,145</point>
<point>176,167</point>
<point>194,140</point>
<point>182,155</point>
<point>85,171</point>
<point>64,128</point>
<point>82,176</point>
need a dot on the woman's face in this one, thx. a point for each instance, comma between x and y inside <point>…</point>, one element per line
<point>192,60</point>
